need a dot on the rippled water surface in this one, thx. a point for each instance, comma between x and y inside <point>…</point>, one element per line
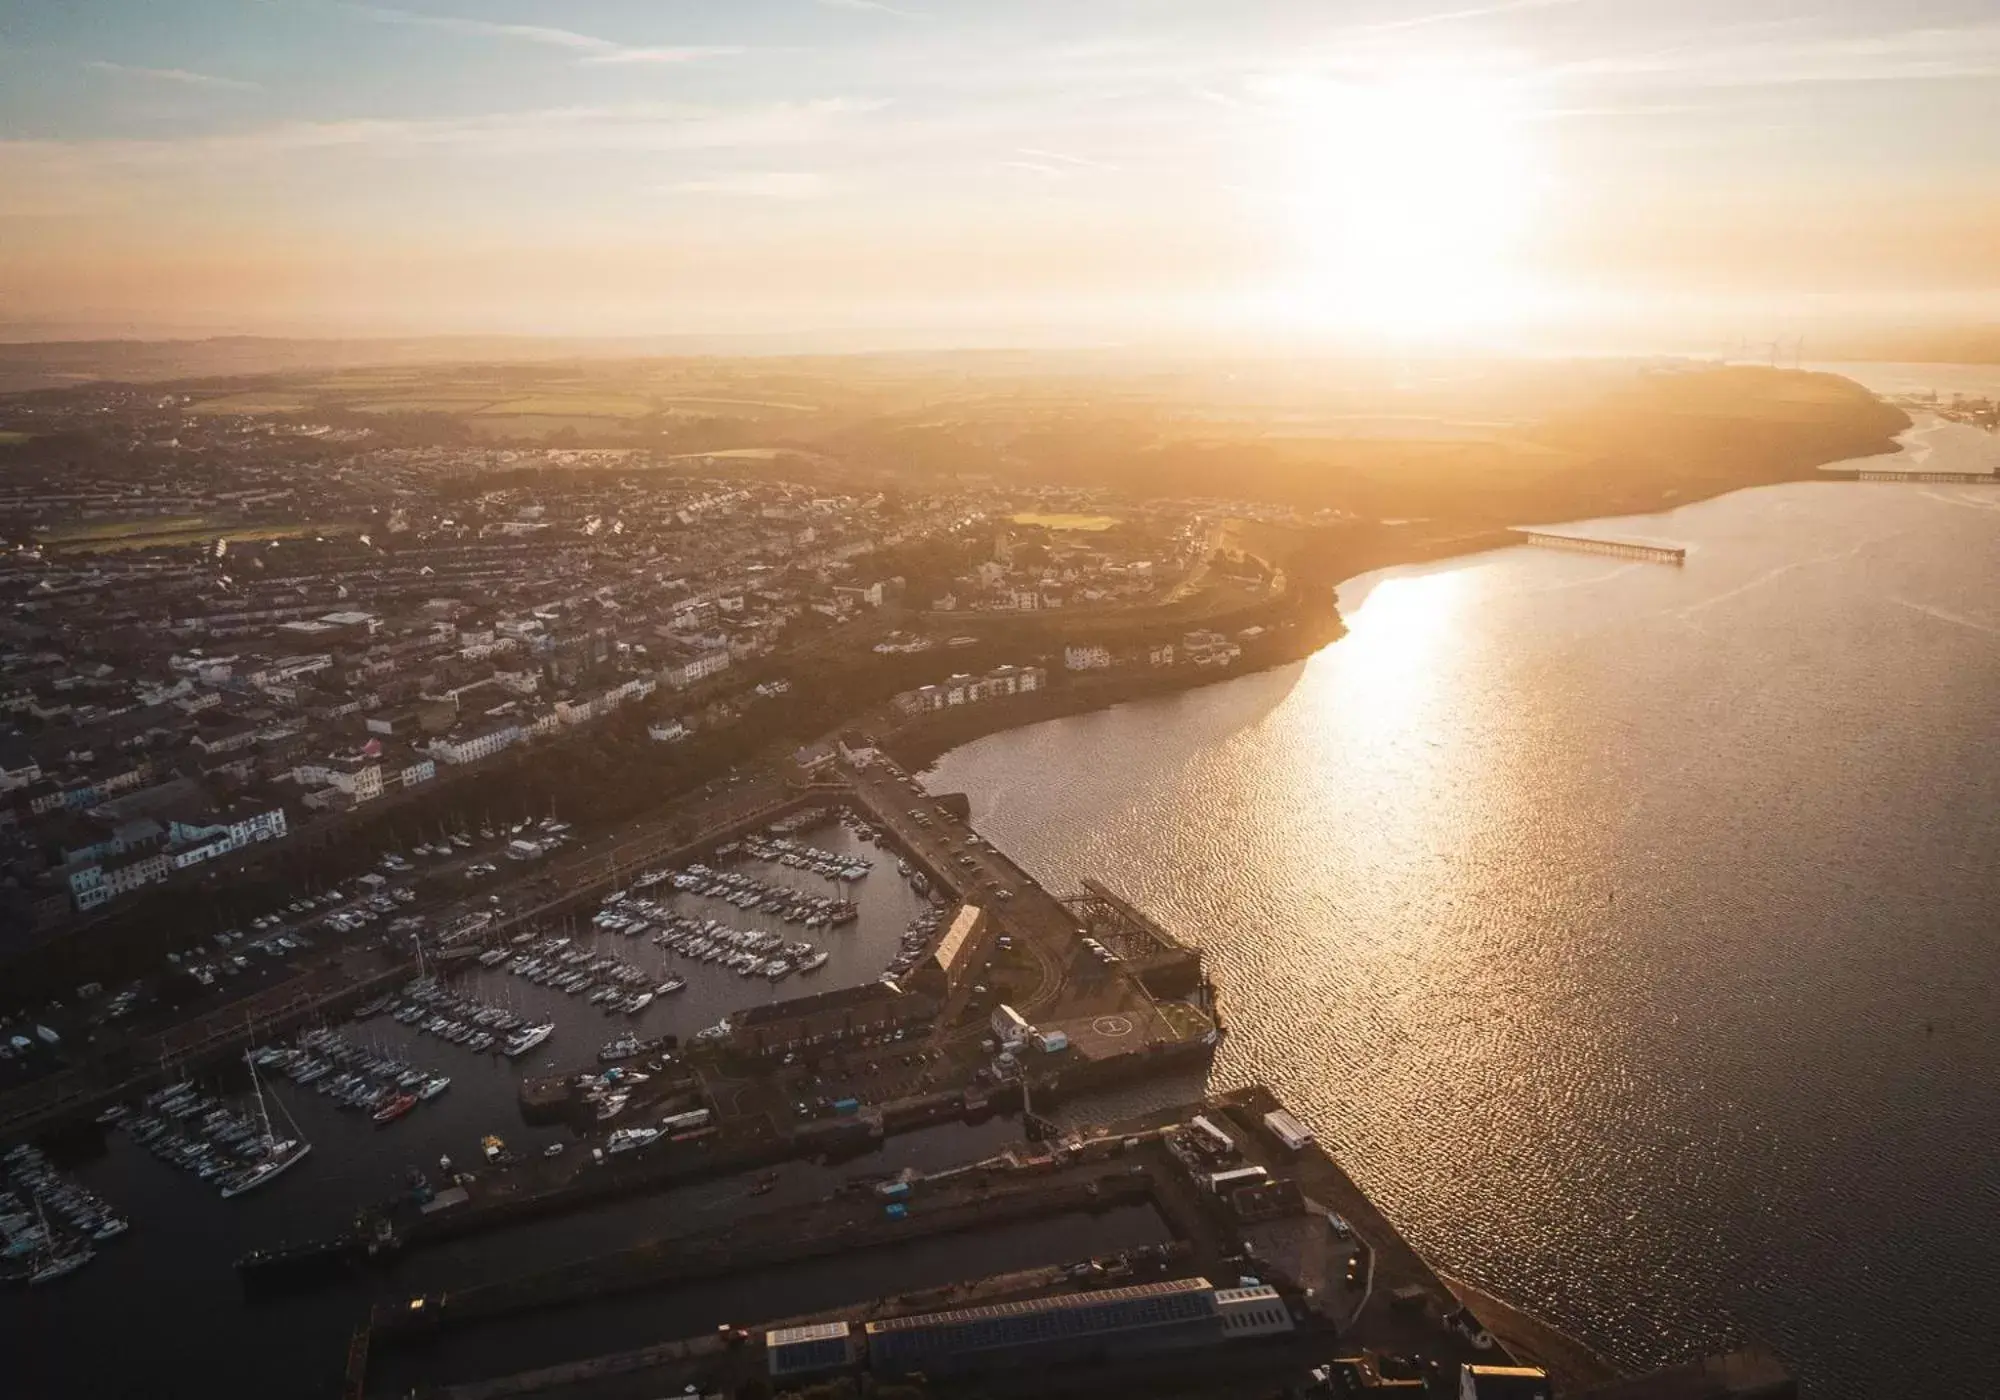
<point>1629,930</point>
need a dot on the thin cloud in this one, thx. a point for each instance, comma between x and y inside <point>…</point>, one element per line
<point>1503,7</point>
<point>761,184</point>
<point>1970,51</point>
<point>637,127</point>
<point>874,7</point>
<point>588,48</point>
<point>185,77</point>
<point>1040,156</point>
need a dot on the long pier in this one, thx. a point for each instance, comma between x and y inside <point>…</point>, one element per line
<point>1933,478</point>
<point>1603,544</point>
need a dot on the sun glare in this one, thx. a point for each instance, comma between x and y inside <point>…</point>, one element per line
<point>1411,195</point>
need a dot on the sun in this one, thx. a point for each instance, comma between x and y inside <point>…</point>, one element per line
<point>1410,195</point>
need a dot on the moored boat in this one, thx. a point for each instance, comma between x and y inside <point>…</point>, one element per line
<point>395,1108</point>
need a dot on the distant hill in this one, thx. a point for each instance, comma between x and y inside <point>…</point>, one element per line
<point>47,364</point>
<point>40,363</point>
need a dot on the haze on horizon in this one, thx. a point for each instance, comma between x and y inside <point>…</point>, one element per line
<point>1514,172</point>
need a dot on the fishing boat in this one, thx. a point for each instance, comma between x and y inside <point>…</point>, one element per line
<point>492,1146</point>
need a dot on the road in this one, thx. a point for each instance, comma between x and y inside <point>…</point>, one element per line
<point>1043,931</point>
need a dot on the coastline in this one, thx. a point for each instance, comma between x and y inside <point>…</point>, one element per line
<point>919,744</point>
<point>1572,1365</point>
<point>916,746</point>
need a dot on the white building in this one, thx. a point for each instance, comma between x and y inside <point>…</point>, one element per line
<point>470,748</point>
<point>358,776</point>
<point>1086,658</point>
<point>421,771</point>
<point>694,664</point>
<point>1209,648</point>
<point>1257,1311</point>
<point>971,690</point>
<point>98,883</point>
<point>190,843</point>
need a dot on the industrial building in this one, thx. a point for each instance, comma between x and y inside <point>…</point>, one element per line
<point>1112,1323</point>
<point>1254,1311</point>
<point>946,970</point>
<point>809,1350</point>
<point>1503,1383</point>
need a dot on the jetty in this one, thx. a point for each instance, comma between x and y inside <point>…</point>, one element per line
<point>1931,478</point>
<point>1644,550</point>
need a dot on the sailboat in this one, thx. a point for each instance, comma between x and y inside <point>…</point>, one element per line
<point>280,1154</point>
<point>51,1262</point>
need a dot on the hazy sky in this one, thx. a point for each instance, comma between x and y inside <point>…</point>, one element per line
<point>1097,168</point>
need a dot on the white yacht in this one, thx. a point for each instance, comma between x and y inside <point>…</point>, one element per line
<point>280,1154</point>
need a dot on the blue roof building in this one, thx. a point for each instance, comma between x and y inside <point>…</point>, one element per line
<point>1077,1326</point>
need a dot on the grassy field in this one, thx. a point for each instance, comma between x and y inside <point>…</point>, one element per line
<point>510,402</point>
<point>581,405</point>
<point>364,382</point>
<point>678,401</point>
<point>113,537</point>
<point>1066,522</point>
<point>8,435</point>
<point>253,402</point>
<point>97,531</point>
<point>746,454</point>
<point>427,403</point>
<point>541,425</point>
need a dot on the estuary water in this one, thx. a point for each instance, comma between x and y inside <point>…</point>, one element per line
<point>1630,931</point>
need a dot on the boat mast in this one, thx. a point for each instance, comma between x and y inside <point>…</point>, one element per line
<point>263,1113</point>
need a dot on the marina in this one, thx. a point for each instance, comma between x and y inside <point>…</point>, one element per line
<point>672,955</point>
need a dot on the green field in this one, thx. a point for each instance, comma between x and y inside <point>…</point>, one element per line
<point>253,402</point>
<point>427,403</point>
<point>98,531</point>
<point>8,435</point>
<point>561,405</point>
<point>1066,522</point>
<point>540,425</point>
<point>745,403</point>
<point>113,536</point>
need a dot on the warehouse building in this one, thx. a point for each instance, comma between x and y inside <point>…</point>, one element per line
<point>810,1350</point>
<point>1112,1323</point>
